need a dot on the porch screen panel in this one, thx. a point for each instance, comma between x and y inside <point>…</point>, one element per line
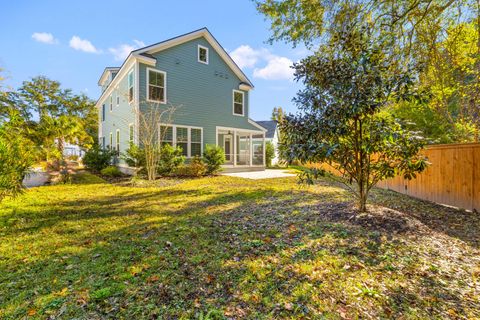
<point>243,149</point>
<point>257,147</point>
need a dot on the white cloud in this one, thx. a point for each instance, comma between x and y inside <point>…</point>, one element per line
<point>277,68</point>
<point>245,56</point>
<point>44,37</point>
<point>274,67</point>
<point>83,45</point>
<point>122,51</point>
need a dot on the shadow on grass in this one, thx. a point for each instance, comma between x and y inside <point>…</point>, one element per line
<point>260,253</point>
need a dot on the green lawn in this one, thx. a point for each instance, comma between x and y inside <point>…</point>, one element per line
<point>225,247</point>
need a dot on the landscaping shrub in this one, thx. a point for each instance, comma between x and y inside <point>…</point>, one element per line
<point>97,159</point>
<point>269,153</point>
<point>170,159</point>
<point>134,156</point>
<point>214,157</point>
<point>111,171</point>
<point>196,168</point>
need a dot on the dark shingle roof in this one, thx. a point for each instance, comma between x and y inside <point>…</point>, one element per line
<point>270,125</point>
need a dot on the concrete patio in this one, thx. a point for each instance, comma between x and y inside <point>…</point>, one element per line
<point>264,174</point>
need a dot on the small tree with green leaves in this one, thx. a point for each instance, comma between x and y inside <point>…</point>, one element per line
<point>17,155</point>
<point>269,153</point>
<point>342,123</point>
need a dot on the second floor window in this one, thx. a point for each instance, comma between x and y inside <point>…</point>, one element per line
<point>156,85</point>
<point>130,86</point>
<point>103,112</point>
<point>111,103</point>
<point>202,54</point>
<point>238,103</point>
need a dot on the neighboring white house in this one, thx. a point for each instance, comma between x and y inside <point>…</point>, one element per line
<point>272,135</point>
<point>72,150</point>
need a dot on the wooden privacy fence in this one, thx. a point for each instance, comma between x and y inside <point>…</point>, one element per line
<point>453,178</point>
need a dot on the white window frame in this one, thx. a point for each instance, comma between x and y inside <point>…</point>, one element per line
<point>243,103</point>
<point>117,140</point>
<point>164,101</point>
<point>131,133</point>
<point>189,140</point>
<point>130,86</point>
<point>198,54</point>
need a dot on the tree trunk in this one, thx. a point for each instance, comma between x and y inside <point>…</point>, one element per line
<point>363,194</point>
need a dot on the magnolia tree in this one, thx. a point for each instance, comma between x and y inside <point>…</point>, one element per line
<point>341,120</point>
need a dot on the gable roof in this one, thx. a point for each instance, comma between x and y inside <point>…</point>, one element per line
<point>203,32</point>
<point>106,71</point>
<point>144,55</point>
<point>271,127</point>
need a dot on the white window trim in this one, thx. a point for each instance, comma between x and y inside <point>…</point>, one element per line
<point>131,140</point>
<point>164,101</point>
<point>130,85</point>
<point>243,103</point>
<point>111,102</point>
<point>174,136</point>
<point>198,54</point>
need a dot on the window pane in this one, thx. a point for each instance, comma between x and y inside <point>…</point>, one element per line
<point>203,54</point>
<point>166,134</point>
<point>196,135</point>
<point>184,147</point>
<point>130,94</point>
<point>131,133</point>
<point>238,97</point>
<point>182,135</point>
<point>155,93</point>
<point>156,78</point>
<point>196,149</point>
<point>238,108</point>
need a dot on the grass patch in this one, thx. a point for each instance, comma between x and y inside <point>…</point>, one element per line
<point>225,247</point>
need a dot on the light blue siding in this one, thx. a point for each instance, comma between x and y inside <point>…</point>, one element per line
<point>203,93</point>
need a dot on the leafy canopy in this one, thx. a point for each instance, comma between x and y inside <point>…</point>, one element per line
<point>341,119</point>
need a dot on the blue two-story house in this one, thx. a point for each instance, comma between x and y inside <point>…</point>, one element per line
<point>209,92</point>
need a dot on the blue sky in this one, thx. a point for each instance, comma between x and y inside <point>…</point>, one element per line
<point>72,41</point>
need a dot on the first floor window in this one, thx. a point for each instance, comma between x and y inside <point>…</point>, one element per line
<point>187,138</point>
<point>118,100</point>
<point>195,142</point>
<point>156,85</point>
<point>182,140</point>
<point>131,133</point>
<point>166,135</point>
<point>111,141</point>
<point>238,102</point>
<point>117,144</point>
<point>103,143</point>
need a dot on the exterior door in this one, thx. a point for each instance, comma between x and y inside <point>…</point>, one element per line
<point>227,146</point>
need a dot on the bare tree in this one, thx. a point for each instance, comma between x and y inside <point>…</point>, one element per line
<point>150,135</point>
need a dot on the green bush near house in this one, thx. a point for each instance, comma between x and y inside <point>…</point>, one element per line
<point>111,171</point>
<point>214,157</point>
<point>97,159</point>
<point>196,168</point>
<point>170,159</point>
<point>134,156</point>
